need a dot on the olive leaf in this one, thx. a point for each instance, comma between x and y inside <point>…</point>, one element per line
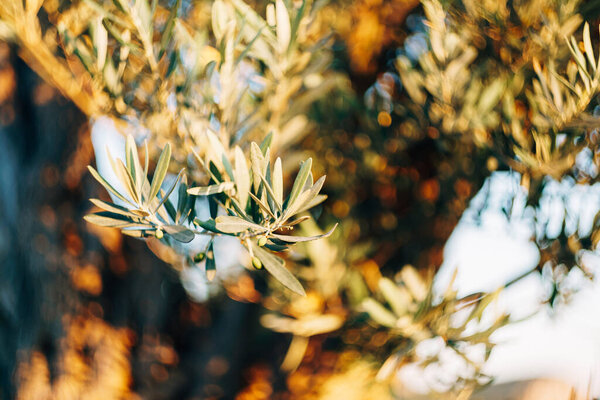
<point>276,267</point>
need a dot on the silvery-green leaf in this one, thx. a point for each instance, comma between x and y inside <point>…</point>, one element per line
<point>113,208</point>
<point>253,19</point>
<point>220,17</point>
<point>179,233</point>
<point>276,267</point>
<point>109,219</point>
<point>296,22</point>
<point>170,210</point>
<point>379,313</point>
<point>397,298</point>
<point>211,189</point>
<point>107,185</point>
<point>248,47</point>
<point>210,266</point>
<point>146,159</point>
<point>238,209</point>
<point>296,239</point>
<point>228,167</point>
<point>283,25</point>
<point>216,152</point>
<point>304,199</point>
<point>127,181</point>
<point>276,247</point>
<point>587,45</point>
<point>170,190</point>
<point>136,233</point>
<point>242,179</point>
<point>182,199</point>
<point>100,43</point>
<point>257,161</point>
<point>297,221</point>
<point>309,182</point>
<point>123,175</point>
<point>231,224</point>
<point>133,164</point>
<point>278,181</point>
<point>161,171</point>
<point>262,205</point>
<point>266,144</point>
<point>299,181</point>
<point>270,193</point>
<point>208,225</point>
<point>84,55</point>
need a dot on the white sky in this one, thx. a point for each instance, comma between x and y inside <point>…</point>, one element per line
<point>564,345</point>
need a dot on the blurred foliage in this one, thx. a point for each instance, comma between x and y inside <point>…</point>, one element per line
<point>455,91</point>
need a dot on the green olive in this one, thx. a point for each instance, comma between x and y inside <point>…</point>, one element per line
<point>256,263</point>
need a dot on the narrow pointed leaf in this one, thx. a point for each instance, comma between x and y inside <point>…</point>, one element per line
<point>299,181</point>
<point>133,162</point>
<point>278,181</point>
<point>113,208</point>
<point>210,266</point>
<point>179,233</point>
<point>211,189</point>
<point>297,221</point>
<point>266,144</point>
<point>231,224</point>
<point>228,167</point>
<point>257,161</point>
<point>242,178</point>
<point>208,225</point>
<point>107,185</point>
<point>170,190</point>
<point>397,298</point>
<point>262,205</point>
<point>217,151</point>
<point>304,199</point>
<point>128,182</point>
<point>106,218</point>
<point>136,233</point>
<point>161,171</point>
<point>283,25</point>
<point>296,239</point>
<point>379,313</point>
<point>271,193</point>
<point>587,45</point>
<point>276,267</point>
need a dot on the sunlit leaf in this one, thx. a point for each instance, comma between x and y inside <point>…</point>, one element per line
<point>283,25</point>
<point>210,266</point>
<point>278,181</point>
<point>113,208</point>
<point>212,189</point>
<point>295,239</point>
<point>231,224</point>
<point>242,179</point>
<point>300,181</point>
<point>107,185</point>
<point>257,160</point>
<point>160,172</point>
<point>276,267</point>
<point>304,199</point>
<point>379,313</point>
<point>179,233</point>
